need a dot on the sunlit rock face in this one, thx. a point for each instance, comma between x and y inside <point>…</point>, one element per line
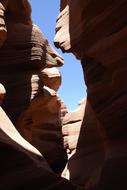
<point>31,82</point>
<point>96,33</point>
<point>98,40</point>
<point>3,30</point>
<point>28,71</point>
<point>21,165</point>
<point>24,61</point>
<point>64,110</point>
<point>2,93</point>
<point>71,127</point>
<point>83,142</point>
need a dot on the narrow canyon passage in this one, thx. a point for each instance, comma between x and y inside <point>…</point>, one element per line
<point>46,141</point>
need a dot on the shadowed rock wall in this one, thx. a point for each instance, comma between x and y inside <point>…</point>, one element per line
<point>97,36</point>
<point>84,144</point>
<point>28,71</point>
<point>95,31</point>
<point>21,165</point>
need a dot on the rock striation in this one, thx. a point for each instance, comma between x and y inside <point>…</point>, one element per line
<point>21,165</point>
<point>3,30</point>
<point>95,135</point>
<point>28,71</point>
<point>71,127</point>
<point>97,36</point>
<point>72,122</point>
<point>33,73</point>
<point>84,144</point>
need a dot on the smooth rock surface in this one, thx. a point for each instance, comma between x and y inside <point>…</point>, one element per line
<point>21,165</point>
<point>28,72</point>
<point>97,36</point>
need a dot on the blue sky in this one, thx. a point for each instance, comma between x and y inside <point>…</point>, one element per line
<point>72,90</point>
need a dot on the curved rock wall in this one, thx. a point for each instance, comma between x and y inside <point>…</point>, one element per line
<point>84,144</point>
<point>97,36</point>
<point>21,165</point>
<point>28,71</point>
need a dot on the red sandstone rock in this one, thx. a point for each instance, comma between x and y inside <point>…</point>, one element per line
<point>51,78</point>
<point>83,141</point>
<point>2,93</point>
<point>22,58</point>
<point>71,127</point>
<point>96,34</point>
<point>3,31</point>
<point>63,109</point>
<point>22,165</point>
<point>28,72</point>
<point>41,125</point>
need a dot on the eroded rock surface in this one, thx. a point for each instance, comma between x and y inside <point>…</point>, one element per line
<point>2,93</point>
<point>71,127</point>
<point>84,144</point>
<point>31,84</point>
<point>3,30</point>
<point>22,165</point>
<point>96,34</point>
<point>28,71</point>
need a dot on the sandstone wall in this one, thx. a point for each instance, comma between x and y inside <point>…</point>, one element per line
<point>3,30</point>
<point>21,165</point>
<point>28,71</point>
<point>83,141</point>
<point>95,31</point>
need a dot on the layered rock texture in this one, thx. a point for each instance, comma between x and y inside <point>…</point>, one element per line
<point>94,136</point>
<point>21,165</point>
<point>34,107</point>
<point>28,71</point>
<point>71,127</point>
<point>31,101</point>
<point>3,31</point>
<point>97,36</point>
<point>84,144</point>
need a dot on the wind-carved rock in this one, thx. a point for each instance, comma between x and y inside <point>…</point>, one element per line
<point>83,144</point>
<point>3,30</point>
<point>34,110</point>
<point>71,126</point>
<point>26,64</point>
<point>9,12</point>
<point>28,71</point>
<point>22,165</point>
<point>96,34</point>
<point>72,122</point>
<point>2,93</point>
